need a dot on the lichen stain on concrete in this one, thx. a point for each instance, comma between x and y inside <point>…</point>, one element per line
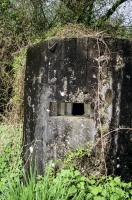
<point>120,63</point>
<point>68,133</point>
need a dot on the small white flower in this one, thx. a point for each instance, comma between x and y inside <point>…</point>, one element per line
<point>48,110</point>
<point>31,149</point>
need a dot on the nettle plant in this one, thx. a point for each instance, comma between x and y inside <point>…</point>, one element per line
<point>69,184</point>
<point>74,155</point>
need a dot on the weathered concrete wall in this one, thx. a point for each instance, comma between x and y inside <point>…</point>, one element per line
<point>90,71</point>
<point>121,141</point>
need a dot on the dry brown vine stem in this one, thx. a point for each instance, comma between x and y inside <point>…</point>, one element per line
<point>112,131</point>
<point>98,100</point>
<point>116,130</point>
<point>100,65</point>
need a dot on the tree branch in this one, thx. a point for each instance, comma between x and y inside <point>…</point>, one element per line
<point>111,11</point>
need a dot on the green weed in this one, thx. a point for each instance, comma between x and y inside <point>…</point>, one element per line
<point>69,184</point>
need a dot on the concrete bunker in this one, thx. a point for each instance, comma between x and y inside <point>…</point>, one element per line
<point>69,85</point>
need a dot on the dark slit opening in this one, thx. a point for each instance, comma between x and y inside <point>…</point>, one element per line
<point>78,109</point>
